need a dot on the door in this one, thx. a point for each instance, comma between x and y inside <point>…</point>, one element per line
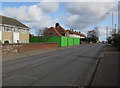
<point>16,35</point>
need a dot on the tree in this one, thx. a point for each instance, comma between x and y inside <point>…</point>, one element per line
<point>44,29</point>
<point>92,36</point>
<point>41,31</point>
<point>114,40</point>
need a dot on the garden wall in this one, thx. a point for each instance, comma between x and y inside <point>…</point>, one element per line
<point>27,47</point>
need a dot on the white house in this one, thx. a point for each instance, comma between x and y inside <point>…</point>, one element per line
<point>73,34</point>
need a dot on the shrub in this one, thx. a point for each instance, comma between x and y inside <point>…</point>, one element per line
<point>116,40</point>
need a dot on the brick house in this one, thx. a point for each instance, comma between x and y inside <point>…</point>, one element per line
<point>13,31</point>
<point>55,31</point>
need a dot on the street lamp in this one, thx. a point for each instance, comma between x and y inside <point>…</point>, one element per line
<point>112,18</point>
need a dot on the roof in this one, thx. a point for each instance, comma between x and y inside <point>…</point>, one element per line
<point>11,21</point>
<point>72,32</point>
<point>54,29</point>
<point>60,29</point>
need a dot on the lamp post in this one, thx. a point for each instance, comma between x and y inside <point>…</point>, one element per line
<point>112,19</point>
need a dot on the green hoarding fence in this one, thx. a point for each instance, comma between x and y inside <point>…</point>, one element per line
<point>51,40</point>
<point>62,41</point>
<point>33,39</point>
<point>70,41</point>
<point>76,41</point>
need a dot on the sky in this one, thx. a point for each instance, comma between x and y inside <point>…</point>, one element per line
<point>80,16</point>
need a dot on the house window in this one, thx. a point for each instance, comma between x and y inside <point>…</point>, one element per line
<point>24,41</point>
<point>24,31</point>
<point>16,30</point>
<point>8,29</point>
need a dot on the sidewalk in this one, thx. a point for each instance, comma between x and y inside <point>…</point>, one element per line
<point>107,71</point>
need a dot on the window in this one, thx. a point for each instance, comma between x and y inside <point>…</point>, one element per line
<point>8,29</point>
<point>24,41</point>
<point>16,30</point>
<point>24,31</point>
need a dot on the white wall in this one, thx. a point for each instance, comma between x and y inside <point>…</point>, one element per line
<point>74,36</point>
<point>82,37</point>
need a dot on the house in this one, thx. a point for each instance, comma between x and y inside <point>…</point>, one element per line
<point>13,31</point>
<point>71,33</point>
<point>61,30</point>
<point>51,32</point>
<point>55,31</point>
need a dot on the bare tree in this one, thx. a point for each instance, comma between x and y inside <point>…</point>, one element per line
<point>92,36</point>
<point>96,29</point>
<point>40,32</point>
<point>44,29</point>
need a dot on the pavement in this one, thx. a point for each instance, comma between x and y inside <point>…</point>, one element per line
<point>63,67</point>
<point>107,71</point>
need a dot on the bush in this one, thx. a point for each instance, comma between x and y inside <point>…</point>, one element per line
<point>116,40</point>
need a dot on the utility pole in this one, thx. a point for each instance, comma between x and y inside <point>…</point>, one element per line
<point>115,29</point>
<point>112,19</point>
<point>106,32</point>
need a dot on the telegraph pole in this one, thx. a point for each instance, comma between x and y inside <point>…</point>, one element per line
<point>106,32</point>
<point>112,19</point>
<point>115,29</point>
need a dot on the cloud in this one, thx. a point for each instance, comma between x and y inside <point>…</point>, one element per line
<point>80,0</point>
<point>82,15</point>
<point>102,30</point>
<point>49,7</point>
<point>18,13</point>
<point>35,16</point>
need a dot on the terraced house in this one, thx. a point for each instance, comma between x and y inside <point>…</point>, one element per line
<point>13,31</point>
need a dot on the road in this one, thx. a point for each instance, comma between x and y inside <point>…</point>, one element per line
<point>65,67</point>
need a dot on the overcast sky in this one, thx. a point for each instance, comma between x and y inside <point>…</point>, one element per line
<point>80,16</point>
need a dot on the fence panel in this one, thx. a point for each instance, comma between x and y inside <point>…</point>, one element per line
<point>70,41</point>
<point>76,41</point>
<point>63,41</point>
<point>33,39</point>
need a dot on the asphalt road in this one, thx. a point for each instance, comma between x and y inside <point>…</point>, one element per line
<point>65,67</point>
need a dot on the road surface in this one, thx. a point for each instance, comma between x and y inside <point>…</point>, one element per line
<point>65,67</point>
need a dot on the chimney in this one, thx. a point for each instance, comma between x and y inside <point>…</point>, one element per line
<point>57,24</point>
